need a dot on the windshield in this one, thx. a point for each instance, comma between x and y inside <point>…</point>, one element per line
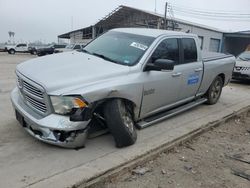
<point>118,47</point>
<point>245,56</point>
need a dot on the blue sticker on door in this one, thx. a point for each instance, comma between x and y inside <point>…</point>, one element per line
<point>193,79</point>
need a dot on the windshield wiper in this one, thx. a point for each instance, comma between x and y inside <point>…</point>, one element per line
<point>85,51</point>
<point>104,57</point>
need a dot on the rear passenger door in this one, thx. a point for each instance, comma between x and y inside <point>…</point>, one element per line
<point>22,47</point>
<point>19,47</point>
<point>191,69</point>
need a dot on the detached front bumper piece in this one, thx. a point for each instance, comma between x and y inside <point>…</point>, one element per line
<point>52,129</point>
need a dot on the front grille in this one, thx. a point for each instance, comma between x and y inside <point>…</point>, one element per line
<point>36,104</point>
<point>33,90</point>
<point>32,95</point>
<point>19,82</point>
<point>238,68</point>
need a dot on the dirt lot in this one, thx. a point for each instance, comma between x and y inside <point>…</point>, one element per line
<point>204,162</point>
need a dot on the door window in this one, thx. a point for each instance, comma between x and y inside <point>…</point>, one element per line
<point>77,47</point>
<point>189,50</point>
<point>21,45</point>
<point>167,49</point>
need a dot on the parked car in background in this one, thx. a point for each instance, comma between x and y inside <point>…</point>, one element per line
<point>21,47</point>
<point>33,49</point>
<point>49,49</point>
<point>242,67</point>
<point>70,47</point>
<point>2,47</point>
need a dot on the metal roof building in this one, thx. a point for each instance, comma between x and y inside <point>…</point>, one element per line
<point>211,39</point>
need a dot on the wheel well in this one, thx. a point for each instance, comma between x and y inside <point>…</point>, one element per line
<point>223,77</point>
<point>99,105</point>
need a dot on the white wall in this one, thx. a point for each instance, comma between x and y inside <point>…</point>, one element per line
<point>205,33</point>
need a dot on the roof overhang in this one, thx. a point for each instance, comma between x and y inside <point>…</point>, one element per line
<point>122,12</point>
<point>240,34</point>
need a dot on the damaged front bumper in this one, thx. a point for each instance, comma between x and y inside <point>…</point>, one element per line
<point>52,129</point>
<point>240,76</point>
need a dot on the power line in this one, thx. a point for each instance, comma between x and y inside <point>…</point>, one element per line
<point>209,11</point>
<point>213,18</point>
<point>209,14</point>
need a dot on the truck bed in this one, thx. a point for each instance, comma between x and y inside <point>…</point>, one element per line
<point>210,56</point>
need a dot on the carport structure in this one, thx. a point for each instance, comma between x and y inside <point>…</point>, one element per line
<point>122,16</point>
<point>235,43</point>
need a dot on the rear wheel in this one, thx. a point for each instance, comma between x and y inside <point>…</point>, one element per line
<point>120,122</point>
<point>214,91</point>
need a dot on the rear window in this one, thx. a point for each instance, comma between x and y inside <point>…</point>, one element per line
<point>189,50</point>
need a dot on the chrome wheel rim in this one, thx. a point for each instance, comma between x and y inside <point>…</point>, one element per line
<point>216,89</point>
<point>128,122</point>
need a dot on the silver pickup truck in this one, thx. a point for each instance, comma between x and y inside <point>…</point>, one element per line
<point>124,79</point>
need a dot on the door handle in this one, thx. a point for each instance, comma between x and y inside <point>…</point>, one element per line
<point>198,70</point>
<point>177,74</point>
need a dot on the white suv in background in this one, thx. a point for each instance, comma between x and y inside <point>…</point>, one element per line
<point>21,47</point>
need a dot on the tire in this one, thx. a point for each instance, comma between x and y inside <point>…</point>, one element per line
<point>34,52</point>
<point>40,54</point>
<point>214,91</point>
<point>120,123</point>
<point>12,51</point>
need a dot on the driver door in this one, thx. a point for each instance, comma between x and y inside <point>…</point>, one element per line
<point>161,88</point>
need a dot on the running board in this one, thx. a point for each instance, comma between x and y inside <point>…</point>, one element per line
<point>167,114</point>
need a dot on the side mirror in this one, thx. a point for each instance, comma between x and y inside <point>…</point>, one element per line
<point>161,64</point>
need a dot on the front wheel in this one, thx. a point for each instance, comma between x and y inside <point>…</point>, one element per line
<point>34,52</point>
<point>120,122</point>
<point>12,51</point>
<point>214,91</point>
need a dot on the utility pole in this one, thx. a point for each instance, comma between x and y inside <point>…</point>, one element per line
<point>165,16</point>
<point>72,23</point>
<point>155,5</point>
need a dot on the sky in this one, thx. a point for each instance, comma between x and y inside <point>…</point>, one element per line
<point>44,20</point>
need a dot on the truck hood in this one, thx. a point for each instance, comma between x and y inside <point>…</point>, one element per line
<point>64,72</point>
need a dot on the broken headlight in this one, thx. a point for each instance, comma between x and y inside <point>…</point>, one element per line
<point>66,105</point>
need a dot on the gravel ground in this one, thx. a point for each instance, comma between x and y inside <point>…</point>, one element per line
<point>203,162</point>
